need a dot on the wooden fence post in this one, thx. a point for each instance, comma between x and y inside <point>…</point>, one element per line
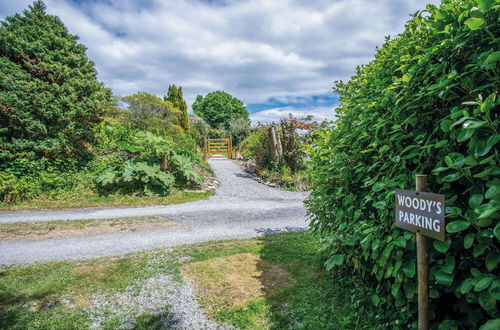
<point>204,147</point>
<point>164,164</point>
<point>273,143</point>
<point>230,147</point>
<point>422,268</point>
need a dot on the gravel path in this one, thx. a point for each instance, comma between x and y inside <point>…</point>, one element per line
<point>240,208</point>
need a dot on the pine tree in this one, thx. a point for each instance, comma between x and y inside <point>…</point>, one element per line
<point>50,98</point>
<point>174,95</point>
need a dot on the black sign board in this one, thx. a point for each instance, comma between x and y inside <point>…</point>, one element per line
<point>422,212</point>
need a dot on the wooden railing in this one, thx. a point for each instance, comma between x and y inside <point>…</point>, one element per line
<point>217,148</point>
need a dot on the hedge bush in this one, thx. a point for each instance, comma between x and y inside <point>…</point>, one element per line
<point>427,103</point>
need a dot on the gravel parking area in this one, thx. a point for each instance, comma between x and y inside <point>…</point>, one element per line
<point>240,208</point>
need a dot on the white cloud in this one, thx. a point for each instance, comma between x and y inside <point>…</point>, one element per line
<point>275,114</point>
<point>255,50</point>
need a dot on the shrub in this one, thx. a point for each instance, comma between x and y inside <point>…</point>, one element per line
<point>141,172</point>
<point>427,104</point>
<point>149,112</point>
<point>256,146</point>
<point>136,175</point>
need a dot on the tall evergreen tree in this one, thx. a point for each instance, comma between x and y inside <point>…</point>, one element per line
<point>174,95</point>
<point>50,98</point>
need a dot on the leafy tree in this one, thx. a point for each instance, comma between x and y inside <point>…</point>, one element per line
<point>50,98</point>
<point>149,112</point>
<point>218,108</point>
<point>174,95</point>
<point>428,103</point>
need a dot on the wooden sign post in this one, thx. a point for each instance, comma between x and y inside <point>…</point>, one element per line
<point>422,213</point>
<point>422,267</point>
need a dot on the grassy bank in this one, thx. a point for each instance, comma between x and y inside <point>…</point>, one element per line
<point>283,277</point>
<point>75,200</point>
<point>70,228</point>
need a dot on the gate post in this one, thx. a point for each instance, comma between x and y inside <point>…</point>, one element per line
<point>204,147</point>
<point>230,147</point>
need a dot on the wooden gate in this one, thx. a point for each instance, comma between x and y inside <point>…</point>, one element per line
<point>218,148</point>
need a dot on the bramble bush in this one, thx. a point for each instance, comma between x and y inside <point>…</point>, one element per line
<point>427,103</point>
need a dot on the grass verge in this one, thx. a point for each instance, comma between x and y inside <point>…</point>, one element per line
<point>92,200</point>
<point>54,229</point>
<point>292,289</point>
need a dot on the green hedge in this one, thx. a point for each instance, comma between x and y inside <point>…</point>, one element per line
<point>427,103</point>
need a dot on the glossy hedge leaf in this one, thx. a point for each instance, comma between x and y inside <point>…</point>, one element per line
<point>443,278</point>
<point>492,260</point>
<point>467,285</point>
<point>454,160</point>
<point>441,246</point>
<point>479,249</point>
<point>481,148</point>
<point>452,177</point>
<point>464,135</point>
<point>445,125</point>
<point>493,191</point>
<point>475,200</point>
<point>491,325</point>
<point>488,211</point>
<point>468,240</point>
<point>448,265</point>
<point>409,269</point>
<point>483,284</point>
<point>456,226</point>
<point>486,300</point>
<point>494,289</point>
<point>334,260</point>
<point>474,23</point>
<point>496,231</point>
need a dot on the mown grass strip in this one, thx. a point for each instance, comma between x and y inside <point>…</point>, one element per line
<point>55,229</point>
<point>92,200</point>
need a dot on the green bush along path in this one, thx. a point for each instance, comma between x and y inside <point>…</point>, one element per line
<point>427,104</point>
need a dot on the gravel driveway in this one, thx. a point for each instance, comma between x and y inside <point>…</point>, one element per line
<point>240,208</point>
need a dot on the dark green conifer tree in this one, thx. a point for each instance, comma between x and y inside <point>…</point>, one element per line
<point>174,95</point>
<point>50,98</point>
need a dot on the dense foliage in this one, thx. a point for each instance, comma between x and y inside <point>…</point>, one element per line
<point>218,108</point>
<point>148,111</point>
<point>141,172</point>
<point>174,95</point>
<point>428,104</point>
<point>295,137</point>
<point>49,95</point>
<point>61,134</point>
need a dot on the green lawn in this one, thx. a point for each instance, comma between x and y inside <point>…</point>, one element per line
<point>59,295</point>
<point>90,199</point>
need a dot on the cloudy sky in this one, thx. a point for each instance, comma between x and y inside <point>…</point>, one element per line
<point>277,56</point>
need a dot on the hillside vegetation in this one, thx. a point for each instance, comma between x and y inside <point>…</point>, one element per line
<point>63,136</point>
